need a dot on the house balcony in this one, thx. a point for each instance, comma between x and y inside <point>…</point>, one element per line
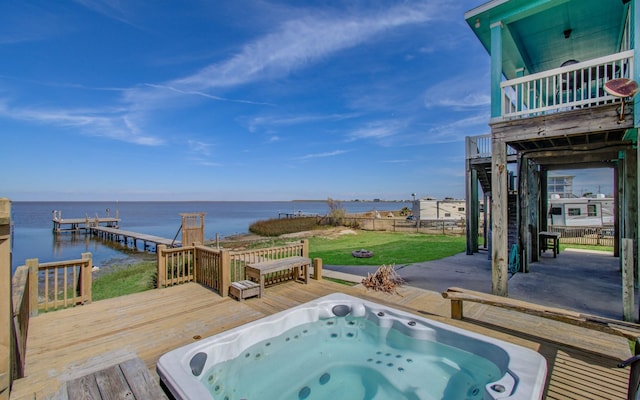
<point>576,85</point>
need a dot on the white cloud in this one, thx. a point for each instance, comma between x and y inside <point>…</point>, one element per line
<point>299,43</point>
<point>272,121</point>
<point>196,146</point>
<point>322,155</point>
<point>457,130</point>
<point>377,130</point>
<point>459,93</point>
<point>112,124</point>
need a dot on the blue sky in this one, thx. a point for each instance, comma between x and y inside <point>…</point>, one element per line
<point>238,100</point>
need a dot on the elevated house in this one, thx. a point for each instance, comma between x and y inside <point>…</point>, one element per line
<point>551,109</point>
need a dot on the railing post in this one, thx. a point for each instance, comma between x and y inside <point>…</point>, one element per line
<point>162,265</point>
<point>634,375</point>
<point>317,269</point>
<point>87,268</point>
<point>225,272</point>
<point>194,271</point>
<point>32,264</point>
<point>305,248</point>
<point>627,280</point>
<point>6,317</point>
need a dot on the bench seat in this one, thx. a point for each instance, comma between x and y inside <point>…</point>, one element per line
<point>274,271</point>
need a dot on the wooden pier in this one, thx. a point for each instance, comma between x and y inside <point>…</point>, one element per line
<point>61,225</point>
<point>126,237</point>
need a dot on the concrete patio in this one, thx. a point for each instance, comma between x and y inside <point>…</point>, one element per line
<point>583,281</point>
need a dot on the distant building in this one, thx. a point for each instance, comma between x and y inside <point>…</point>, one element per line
<point>561,185</point>
<point>429,208</point>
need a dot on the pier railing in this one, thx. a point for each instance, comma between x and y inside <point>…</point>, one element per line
<point>217,268</point>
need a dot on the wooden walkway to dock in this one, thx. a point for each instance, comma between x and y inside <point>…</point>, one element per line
<point>127,237</point>
<point>68,344</point>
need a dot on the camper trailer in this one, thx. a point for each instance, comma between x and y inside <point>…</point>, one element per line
<point>582,211</point>
<point>429,209</point>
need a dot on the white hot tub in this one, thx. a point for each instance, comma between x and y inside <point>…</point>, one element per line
<point>343,347</point>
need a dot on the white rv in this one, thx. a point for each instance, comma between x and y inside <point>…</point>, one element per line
<point>429,208</point>
<point>582,211</point>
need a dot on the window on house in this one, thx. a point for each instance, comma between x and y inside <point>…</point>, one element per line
<point>447,215</point>
<point>556,210</point>
<point>592,210</point>
<point>574,211</point>
<point>460,208</point>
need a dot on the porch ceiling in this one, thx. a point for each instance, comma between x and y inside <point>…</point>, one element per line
<point>534,31</point>
<point>588,150</point>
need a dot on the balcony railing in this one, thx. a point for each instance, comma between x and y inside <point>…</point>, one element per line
<point>576,85</point>
<point>480,147</point>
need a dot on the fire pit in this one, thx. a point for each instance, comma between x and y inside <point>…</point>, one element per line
<point>362,253</point>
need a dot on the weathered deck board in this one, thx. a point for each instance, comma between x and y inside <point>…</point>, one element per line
<point>70,343</point>
<point>127,380</point>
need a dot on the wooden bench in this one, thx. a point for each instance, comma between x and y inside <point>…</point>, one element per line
<point>628,330</point>
<point>283,269</point>
<point>128,380</point>
<point>244,289</point>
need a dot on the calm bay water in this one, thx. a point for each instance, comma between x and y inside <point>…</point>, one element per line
<point>33,236</point>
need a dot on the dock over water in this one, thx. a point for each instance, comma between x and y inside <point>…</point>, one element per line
<point>127,237</point>
<point>61,225</point>
<point>107,228</point>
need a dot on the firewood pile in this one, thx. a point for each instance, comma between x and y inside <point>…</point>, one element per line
<point>385,279</point>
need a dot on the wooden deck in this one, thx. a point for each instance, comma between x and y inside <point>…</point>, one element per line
<point>67,344</point>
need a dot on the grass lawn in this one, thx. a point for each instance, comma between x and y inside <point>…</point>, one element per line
<point>125,280</point>
<point>585,247</point>
<point>388,248</point>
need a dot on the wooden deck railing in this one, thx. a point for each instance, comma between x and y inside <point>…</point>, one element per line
<point>21,314</point>
<point>216,268</point>
<point>479,146</point>
<point>46,286</point>
<point>7,338</point>
<point>578,84</point>
<point>59,284</point>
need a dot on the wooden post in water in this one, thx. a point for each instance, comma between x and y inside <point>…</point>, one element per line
<point>627,280</point>
<point>6,314</point>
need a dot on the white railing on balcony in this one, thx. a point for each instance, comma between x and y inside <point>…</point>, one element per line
<point>480,147</point>
<point>578,84</point>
